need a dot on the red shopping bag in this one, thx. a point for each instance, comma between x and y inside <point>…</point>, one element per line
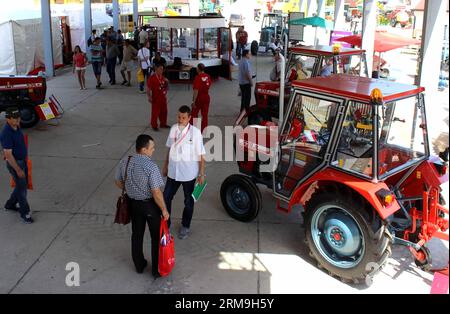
<point>29,165</point>
<point>166,259</point>
<point>29,178</point>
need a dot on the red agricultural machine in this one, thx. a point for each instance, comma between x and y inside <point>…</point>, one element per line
<point>353,152</point>
<point>314,59</point>
<point>24,92</point>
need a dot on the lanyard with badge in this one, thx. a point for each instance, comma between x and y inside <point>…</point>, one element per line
<point>162,85</point>
<point>177,143</point>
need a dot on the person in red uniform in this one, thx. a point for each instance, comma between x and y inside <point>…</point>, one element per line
<point>200,99</point>
<point>157,86</point>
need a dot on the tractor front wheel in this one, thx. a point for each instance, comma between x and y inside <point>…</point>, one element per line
<point>346,237</point>
<point>241,197</point>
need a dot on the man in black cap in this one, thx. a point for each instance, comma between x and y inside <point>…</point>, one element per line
<point>15,152</point>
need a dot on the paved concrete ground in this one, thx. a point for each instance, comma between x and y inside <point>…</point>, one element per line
<point>74,202</point>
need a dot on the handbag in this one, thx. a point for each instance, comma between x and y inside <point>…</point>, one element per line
<point>140,75</point>
<point>122,207</point>
<point>166,258</point>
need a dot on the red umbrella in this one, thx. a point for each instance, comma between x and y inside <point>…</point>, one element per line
<point>383,41</point>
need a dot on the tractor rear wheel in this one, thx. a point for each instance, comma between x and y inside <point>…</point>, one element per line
<point>345,236</point>
<point>241,197</point>
<point>28,116</point>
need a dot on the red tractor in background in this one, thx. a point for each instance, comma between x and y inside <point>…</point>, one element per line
<point>24,92</point>
<point>314,59</point>
<point>353,152</point>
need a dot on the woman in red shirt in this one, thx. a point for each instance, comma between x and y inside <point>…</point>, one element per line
<point>79,64</point>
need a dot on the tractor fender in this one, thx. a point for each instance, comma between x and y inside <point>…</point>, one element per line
<point>366,189</point>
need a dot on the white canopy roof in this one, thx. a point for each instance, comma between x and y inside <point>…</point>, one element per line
<point>188,22</point>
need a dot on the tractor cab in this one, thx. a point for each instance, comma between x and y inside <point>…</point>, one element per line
<point>273,26</point>
<point>303,63</point>
<point>353,153</point>
<point>312,61</point>
<point>336,122</point>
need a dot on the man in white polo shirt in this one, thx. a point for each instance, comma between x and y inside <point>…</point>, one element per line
<point>184,165</point>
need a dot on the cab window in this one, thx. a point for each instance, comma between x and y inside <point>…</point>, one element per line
<point>355,146</point>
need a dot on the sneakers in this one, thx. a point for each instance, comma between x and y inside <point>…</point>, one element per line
<point>27,219</point>
<point>124,82</point>
<point>184,233</point>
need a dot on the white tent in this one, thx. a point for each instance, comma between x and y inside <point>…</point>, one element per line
<point>22,49</point>
<point>75,12</point>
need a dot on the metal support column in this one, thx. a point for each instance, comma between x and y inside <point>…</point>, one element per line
<point>339,18</point>
<point>46,19</point>
<point>432,41</point>
<point>115,14</point>
<point>301,6</point>
<point>87,23</point>
<point>369,24</point>
<point>135,13</point>
<point>321,8</point>
<point>311,8</point>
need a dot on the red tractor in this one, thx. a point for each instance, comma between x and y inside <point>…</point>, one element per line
<point>24,92</point>
<point>353,152</point>
<point>314,60</point>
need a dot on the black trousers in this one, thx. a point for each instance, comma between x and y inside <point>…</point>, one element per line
<point>120,54</point>
<point>111,69</point>
<point>169,192</point>
<point>246,96</point>
<point>142,213</point>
